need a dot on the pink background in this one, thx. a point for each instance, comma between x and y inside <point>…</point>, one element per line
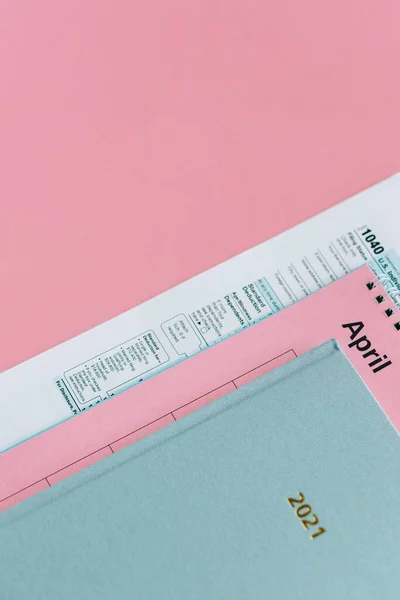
<point>143,142</point>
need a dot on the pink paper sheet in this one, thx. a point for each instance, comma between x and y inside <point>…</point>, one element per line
<point>88,437</point>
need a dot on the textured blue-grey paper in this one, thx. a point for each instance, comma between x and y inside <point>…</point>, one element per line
<point>199,511</point>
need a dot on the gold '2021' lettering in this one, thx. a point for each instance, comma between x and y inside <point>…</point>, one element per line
<point>303,512</point>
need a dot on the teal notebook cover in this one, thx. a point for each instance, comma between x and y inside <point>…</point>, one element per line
<point>287,488</point>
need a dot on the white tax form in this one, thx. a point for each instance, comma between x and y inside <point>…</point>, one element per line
<point>200,312</point>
